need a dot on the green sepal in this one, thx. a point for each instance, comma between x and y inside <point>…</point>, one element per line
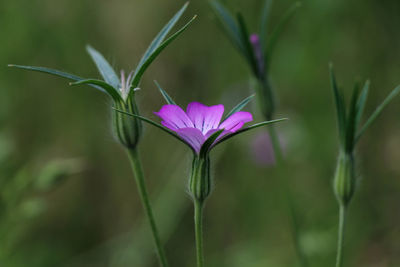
<point>344,182</point>
<point>142,68</point>
<point>229,24</point>
<point>239,106</point>
<point>361,103</point>
<point>340,107</point>
<point>205,148</point>
<point>200,183</point>
<point>156,125</point>
<point>351,126</point>
<point>166,96</point>
<point>108,88</point>
<point>105,69</point>
<point>264,22</point>
<point>55,73</point>
<point>378,111</point>
<point>162,34</point>
<point>254,126</point>
<point>245,36</point>
<point>270,45</point>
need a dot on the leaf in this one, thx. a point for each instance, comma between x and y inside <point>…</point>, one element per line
<point>239,106</point>
<point>156,125</point>
<point>205,148</point>
<point>230,26</point>
<point>56,73</point>
<point>229,136</point>
<point>248,46</point>
<point>378,111</point>
<point>340,106</point>
<point>351,119</point>
<point>167,98</point>
<point>140,70</point>
<point>264,22</point>
<point>162,34</point>
<point>278,30</point>
<point>108,88</point>
<point>361,103</point>
<point>105,69</point>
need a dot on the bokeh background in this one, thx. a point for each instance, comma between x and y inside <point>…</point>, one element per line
<point>68,197</point>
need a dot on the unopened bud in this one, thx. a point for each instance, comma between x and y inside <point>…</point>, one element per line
<point>127,129</point>
<point>345,182</point>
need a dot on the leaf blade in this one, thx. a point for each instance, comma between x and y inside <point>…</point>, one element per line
<point>239,106</point>
<point>378,111</point>
<point>162,34</point>
<point>166,96</point>
<point>107,87</point>
<point>105,69</point>
<point>254,126</point>
<point>140,71</point>
<point>55,73</point>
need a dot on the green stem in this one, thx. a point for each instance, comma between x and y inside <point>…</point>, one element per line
<point>139,177</point>
<point>287,192</point>
<point>342,222</point>
<point>198,226</point>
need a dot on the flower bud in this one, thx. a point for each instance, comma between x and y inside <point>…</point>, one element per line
<point>344,182</point>
<point>127,129</point>
<point>200,180</point>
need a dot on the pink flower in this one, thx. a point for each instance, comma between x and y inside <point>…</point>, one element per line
<point>199,122</point>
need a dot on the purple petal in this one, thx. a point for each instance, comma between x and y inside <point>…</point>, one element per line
<point>203,117</point>
<point>174,117</point>
<point>236,121</point>
<point>193,137</point>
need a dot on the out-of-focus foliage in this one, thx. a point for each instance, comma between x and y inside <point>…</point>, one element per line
<point>95,218</point>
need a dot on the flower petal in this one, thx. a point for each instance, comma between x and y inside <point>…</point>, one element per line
<point>174,117</point>
<point>236,121</point>
<point>203,117</point>
<point>193,137</point>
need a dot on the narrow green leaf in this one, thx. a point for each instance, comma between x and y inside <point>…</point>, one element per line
<point>105,69</point>
<point>270,46</point>
<point>351,119</point>
<point>264,22</point>
<point>229,25</point>
<point>239,106</point>
<point>108,88</point>
<point>167,98</point>
<point>140,71</point>
<point>378,111</point>
<point>340,106</point>
<point>55,73</point>
<point>205,148</point>
<point>229,136</point>
<point>162,34</point>
<point>361,103</point>
<point>156,125</point>
<point>248,46</point>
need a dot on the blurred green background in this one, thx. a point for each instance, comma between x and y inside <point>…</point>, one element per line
<point>68,197</point>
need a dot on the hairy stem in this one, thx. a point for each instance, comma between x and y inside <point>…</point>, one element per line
<point>342,222</point>
<point>139,177</point>
<point>198,226</point>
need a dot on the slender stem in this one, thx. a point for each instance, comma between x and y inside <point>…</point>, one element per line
<point>287,192</point>
<point>139,177</point>
<point>342,222</point>
<point>198,227</point>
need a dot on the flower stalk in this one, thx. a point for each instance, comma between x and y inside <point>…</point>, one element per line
<point>144,197</point>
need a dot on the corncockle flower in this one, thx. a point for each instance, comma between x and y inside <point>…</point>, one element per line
<point>199,122</point>
<point>201,128</point>
<point>122,91</point>
<point>348,121</point>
